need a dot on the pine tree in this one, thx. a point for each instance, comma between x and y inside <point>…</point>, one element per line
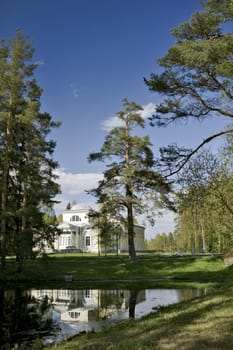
<point>196,77</point>
<point>27,180</point>
<point>130,181</point>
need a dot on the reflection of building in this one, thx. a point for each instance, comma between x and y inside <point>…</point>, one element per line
<point>88,305</point>
<point>77,233</point>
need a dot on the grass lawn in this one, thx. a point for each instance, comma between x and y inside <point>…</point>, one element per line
<point>96,270</point>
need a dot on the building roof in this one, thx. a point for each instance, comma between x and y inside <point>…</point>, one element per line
<point>82,207</point>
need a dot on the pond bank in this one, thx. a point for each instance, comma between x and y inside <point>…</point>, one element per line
<point>202,323</point>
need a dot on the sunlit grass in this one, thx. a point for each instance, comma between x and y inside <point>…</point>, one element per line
<point>93,268</point>
<point>203,323</point>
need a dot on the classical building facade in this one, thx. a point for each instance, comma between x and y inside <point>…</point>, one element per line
<point>77,233</point>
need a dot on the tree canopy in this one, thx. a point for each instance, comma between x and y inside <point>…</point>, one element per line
<point>130,181</point>
<point>196,80</point>
<point>27,180</point>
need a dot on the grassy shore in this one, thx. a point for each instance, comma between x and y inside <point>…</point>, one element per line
<point>202,323</point>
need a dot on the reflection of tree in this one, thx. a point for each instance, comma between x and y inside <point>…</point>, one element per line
<point>132,302</point>
<point>109,300</point>
<point>2,333</point>
<point>186,294</point>
<point>22,317</point>
<point>111,297</point>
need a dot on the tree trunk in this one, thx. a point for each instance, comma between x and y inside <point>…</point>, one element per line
<point>3,236</point>
<point>131,246</point>
<point>4,194</point>
<point>21,239</point>
<point>203,235</point>
<point>3,213</point>
<point>132,302</point>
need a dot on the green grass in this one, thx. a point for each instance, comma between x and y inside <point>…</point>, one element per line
<point>112,268</point>
<point>202,323</point>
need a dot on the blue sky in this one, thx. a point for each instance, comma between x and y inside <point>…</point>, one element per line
<point>91,55</point>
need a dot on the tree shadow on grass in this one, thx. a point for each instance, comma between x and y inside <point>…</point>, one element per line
<point>199,324</point>
<point>191,328</point>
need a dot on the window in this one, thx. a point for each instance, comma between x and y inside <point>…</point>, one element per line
<point>64,294</point>
<point>42,293</point>
<point>65,240</point>
<point>88,241</point>
<point>75,218</point>
<point>88,293</point>
<point>74,314</point>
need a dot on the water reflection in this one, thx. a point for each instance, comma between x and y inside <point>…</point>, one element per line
<point>55,314</point>
<point>23,319</point>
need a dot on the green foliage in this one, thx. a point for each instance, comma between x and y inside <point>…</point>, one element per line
<point>130,181</point>
<point>68,207</point>
<point>205,205</point>
<point>22,314</point>
<point>163,243</point>
<point>108,222</point>
<point>197,75</point>
<point>27,180</point>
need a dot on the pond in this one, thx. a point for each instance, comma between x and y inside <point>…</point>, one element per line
<point>53,315</point>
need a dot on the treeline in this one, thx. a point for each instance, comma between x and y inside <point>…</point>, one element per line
<point>162,243</point>
<point>204,204</point>
<point>27,180</point>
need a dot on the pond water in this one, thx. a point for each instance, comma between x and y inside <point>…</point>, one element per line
<point>53,315</point>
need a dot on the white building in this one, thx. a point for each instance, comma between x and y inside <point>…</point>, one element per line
<point>77,233</point>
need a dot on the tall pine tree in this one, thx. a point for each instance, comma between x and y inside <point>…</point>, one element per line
<point>27,180</point>
<point>130,182</point>
<point>196,78</point>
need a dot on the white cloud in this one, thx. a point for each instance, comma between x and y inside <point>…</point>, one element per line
<point>73,187</point>
<point>75,93</point>
<point>74,184</point>
<point>148,110</point>
<point>112,122</point>
<point>74,90</point>
<point>40,62</point>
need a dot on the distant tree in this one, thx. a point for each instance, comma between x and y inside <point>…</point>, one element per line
<point>59,218</point>
<point>109,224</point>
<point>27,179</point>
<point>130,182</point>
<point>74,202</point>
<point>204,203</point>
<point>197,76</point>
<point>195,179</point>
<point>162,243</point>
<point>68,207</point>
<point>49,217</point>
